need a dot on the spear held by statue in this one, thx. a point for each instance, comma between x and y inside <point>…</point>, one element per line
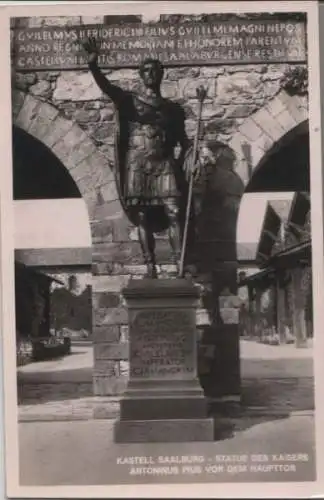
<point>201,95</point>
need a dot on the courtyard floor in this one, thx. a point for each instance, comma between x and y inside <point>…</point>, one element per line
<point>58,413</point>
<point>84,453</point>
<point>275,380</point>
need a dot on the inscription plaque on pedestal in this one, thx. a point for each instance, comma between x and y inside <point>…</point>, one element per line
<point>161,346</point>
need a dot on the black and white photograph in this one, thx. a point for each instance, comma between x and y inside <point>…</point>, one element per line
<point>164,266</point>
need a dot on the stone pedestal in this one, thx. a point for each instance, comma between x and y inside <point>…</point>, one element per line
<point>164,401</point>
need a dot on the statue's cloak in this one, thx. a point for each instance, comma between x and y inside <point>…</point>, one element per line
<point>121,144</point>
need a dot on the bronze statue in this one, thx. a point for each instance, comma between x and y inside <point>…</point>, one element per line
<point>151,181</point>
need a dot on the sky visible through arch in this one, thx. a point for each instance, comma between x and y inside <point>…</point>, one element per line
<point>251,214</point>
<point>64,223</point>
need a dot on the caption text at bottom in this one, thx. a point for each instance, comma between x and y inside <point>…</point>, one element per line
<point>217,464</point>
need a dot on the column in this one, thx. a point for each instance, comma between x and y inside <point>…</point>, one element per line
<point>257,316</point>
<point>299,323</point>
<point>251,312</point>
<point>281,309</point>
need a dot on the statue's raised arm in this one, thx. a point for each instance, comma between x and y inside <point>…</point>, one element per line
<point>115,93</point>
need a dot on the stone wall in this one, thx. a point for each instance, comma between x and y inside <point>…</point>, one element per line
<point>245,104</point>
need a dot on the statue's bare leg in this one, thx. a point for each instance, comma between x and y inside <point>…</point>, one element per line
<point>172,212</point>
<point>147,242</point>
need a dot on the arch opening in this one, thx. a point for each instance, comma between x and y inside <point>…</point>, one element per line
<point>37,173</point>
<point>52,245</point>
<point>286,166</point>
<point>274,245</point>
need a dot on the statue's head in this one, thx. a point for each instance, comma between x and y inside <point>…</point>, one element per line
<point>151,72</point>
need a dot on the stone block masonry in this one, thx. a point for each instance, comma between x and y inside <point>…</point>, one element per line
<point>246,104</point>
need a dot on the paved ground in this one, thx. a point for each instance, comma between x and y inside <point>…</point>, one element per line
<point>81,453</point>
<point>274,379</point>
<point>78,448</point>
<point>80,363</point>
<point>81,358</point>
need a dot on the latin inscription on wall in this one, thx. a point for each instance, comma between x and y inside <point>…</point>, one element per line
<point>162,345</point>
<point>174,45</point>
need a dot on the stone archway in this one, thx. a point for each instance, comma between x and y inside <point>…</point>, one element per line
<point>88,167</point>
<point>115,255</point>
<point>262,132</point>
<point>92,173</point>
<point>271,130</point>
<point>263,129</point>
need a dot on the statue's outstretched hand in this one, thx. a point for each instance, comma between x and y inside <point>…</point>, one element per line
<point>90,45</point>
<point>201,92</point>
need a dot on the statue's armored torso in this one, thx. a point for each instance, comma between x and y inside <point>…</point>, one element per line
<point>155,123</point>
<point>150,162</point>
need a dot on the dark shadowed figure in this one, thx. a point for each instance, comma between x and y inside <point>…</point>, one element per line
<point>151,179</point>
